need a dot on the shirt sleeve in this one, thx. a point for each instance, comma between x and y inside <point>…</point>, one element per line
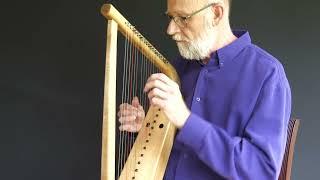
<point>258,153</point>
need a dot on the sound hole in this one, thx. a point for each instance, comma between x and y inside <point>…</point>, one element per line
<point>161,126</point>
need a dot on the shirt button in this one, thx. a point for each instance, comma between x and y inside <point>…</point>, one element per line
<point>198,99</point>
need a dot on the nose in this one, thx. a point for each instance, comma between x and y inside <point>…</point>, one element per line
<point>172,28</point>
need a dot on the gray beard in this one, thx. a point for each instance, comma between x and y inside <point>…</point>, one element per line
<point>200,48</point>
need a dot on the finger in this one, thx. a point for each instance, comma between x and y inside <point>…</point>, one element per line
<point>128,112</point>
<point>129,107</point>
<point>127,119</point>
<point>156,83</point>
<point>140,108</point>
<point>141,112</point>
<point>155,101</point>
<point>155,92</point>
<point>162,77</point>
<point>132,123</point>
<point>124,106</point>
<point>129,128</point>
<point>135,101</point>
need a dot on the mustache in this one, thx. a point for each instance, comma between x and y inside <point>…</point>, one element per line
<point>176,37</point>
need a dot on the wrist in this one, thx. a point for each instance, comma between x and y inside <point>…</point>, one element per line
<point>183,119</point>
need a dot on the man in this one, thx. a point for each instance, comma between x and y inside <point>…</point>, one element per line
<point>233,105</point>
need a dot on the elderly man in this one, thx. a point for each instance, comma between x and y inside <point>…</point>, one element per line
<point>234,102</point>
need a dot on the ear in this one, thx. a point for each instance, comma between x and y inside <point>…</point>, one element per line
<point>218,13</point>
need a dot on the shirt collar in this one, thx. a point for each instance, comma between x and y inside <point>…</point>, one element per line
<point>230,51</point>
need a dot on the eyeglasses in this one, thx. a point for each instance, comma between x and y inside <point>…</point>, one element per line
<point>181,21</point>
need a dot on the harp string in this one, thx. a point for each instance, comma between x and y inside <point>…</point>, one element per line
<point>127,86</point>
<point>127,72</point>
<point>135,89</point>
<point>123,99</point>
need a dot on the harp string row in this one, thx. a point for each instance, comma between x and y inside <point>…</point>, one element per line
<point>136,69</point>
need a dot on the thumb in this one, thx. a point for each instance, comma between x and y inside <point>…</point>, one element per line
<point>135,101</point>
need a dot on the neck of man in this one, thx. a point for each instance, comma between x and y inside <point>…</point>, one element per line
<point>224,37</point>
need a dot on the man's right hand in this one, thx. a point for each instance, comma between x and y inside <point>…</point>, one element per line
<point>131,116</point>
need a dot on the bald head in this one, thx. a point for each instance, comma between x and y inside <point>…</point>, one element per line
<point>213,1</point>
<point>225,3</point>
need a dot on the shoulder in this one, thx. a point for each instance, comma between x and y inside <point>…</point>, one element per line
<point>263,63</point>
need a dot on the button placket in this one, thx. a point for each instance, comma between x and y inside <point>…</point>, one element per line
<point>200,83</point>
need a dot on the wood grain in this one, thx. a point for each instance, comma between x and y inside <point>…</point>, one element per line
<point>109,106</point>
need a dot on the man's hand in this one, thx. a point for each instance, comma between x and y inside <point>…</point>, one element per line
<point>165,93</point>
<point>131,116</point>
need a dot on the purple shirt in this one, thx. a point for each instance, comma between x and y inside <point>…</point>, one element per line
<point>240,105</point>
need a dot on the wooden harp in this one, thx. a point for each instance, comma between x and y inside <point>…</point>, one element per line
<point>150,152</point>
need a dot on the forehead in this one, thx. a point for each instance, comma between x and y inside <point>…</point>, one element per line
<point>182,6</point>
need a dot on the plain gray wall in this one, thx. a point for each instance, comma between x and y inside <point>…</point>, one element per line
<point>52,69</point>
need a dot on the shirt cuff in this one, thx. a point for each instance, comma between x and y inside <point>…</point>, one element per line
<point>193,132</point>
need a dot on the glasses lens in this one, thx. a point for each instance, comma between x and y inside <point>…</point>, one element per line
<point>179,21</point>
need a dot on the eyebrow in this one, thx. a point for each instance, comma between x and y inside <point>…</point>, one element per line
<point>178,13</point>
